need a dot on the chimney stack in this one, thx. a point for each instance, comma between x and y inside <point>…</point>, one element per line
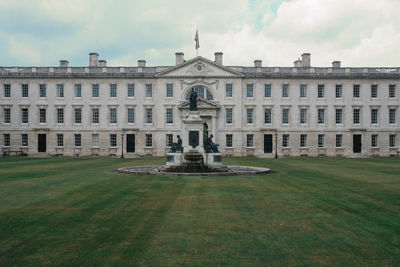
<point>93,58</point>
<point>102,63</point>
<point>141,63</point>
<point>218,57</point>
<point>336,64</point>
<point>306,59</point>
<point>63,63</point>
<point>298,63</point>
<point>179,58</point>
<point>257,63</point>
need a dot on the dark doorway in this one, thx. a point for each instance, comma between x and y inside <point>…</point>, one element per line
<point>41,142</point>
<point>357,143</point>
<point>130,143</point>
<point>267,143</point>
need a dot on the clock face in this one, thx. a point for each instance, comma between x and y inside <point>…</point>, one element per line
<point>199,67</point>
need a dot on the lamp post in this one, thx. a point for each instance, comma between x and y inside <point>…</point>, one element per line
<point>276,145</point>
<point>122,145</point>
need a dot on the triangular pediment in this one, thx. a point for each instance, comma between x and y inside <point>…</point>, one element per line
<point>201,104</point>
<point>199,67</point>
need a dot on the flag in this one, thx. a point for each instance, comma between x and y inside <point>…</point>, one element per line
<point>196,39</point>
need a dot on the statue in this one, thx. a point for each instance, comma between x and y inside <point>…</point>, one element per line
<point>205,133</point>
<point>210,146</point>
<point>176,147</point>
<point>193,100</point>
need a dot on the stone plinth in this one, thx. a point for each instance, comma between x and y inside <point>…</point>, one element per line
<point>193,126</point>
<point>213,159</point>
<point>174,159</point>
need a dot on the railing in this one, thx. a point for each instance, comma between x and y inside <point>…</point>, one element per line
<point>153,70</point>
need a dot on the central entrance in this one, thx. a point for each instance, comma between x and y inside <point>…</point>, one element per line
<point>130,143</point>
<point>267,143</point>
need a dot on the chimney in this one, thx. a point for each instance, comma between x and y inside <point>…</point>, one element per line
<point>93,57</point>
<point>218,57</point>
<point>179,58</point>
<point>298,63</point>
<point>63,63</point>
<point>306,58</point>
<point>102,63</point>
<point>257,63</point>
<point>336,64</point>
<point>141,63</point>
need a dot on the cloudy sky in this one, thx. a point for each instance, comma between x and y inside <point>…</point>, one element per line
<point>357,32</point>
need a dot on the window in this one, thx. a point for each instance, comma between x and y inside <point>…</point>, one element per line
<point>42,115</point>
<point>113,90</point>
<point>7,115</point>
<point>339,91</point>
<point>78,115</point>
<point>95,140</point>
<point>229,140</point>
<point>303,140</point>
<point>113,140</point>
<point>7,90</point>
<point>321,90</point>
<point>303,116</point>
<point>339,116</point>
<point>149,90</point>
<point>60,90</point>
<point>250,140</point>
<point>268,115</point>
<point>250,90</point>
<point>285,90</point>
<point>392,91</point>
<point>149,140</point>
<point>6,140</point>
<point>374,140</point>
<point>24,139</point>
<point>200,92</point>
<point>95,115</point>
<point>42,90</point>
<point>229,112</point>
<point>267,90</point>
<point>321,116</point>
<point>392,140</point>
<point>392,116</point>
<point>339,139</point>
<point>149,115</point>
<point>25,90</point>
<point>113,115</point>
<point>374,91</point>
<point>60,115</point>
<point>170,90</point>
<point>78,90</point>
<point>321,140</point>
<point>285,116</point>
<point>24,115</point>
<point>228,90</point>
<point>78,140</point>
<point>95,90</point>
<point>131,90</point>
<point>356,116</point>
<point>303,90</point>
<point>356,90</point>
<point>168,140</point>
<point>169,115</point>
<point>250,116</point>
<point>285,140</point>
<point>131,115</point>
<point>60,140</point>
<point>374,116</point>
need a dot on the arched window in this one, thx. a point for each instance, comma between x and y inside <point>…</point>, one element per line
<point>201,91</point>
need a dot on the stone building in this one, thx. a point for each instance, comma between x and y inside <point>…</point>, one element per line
<point>258,110</point>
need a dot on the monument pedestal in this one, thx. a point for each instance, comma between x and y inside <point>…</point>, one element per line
<point>174,159</point>
<point>193,133</point>
<point>213,159</point>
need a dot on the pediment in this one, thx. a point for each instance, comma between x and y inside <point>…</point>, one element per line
<point>201,104</point>
<point>199,67</point>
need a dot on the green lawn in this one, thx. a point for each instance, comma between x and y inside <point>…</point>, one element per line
<point>71,211</point>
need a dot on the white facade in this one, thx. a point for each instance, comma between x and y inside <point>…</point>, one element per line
<point>243,123</point>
